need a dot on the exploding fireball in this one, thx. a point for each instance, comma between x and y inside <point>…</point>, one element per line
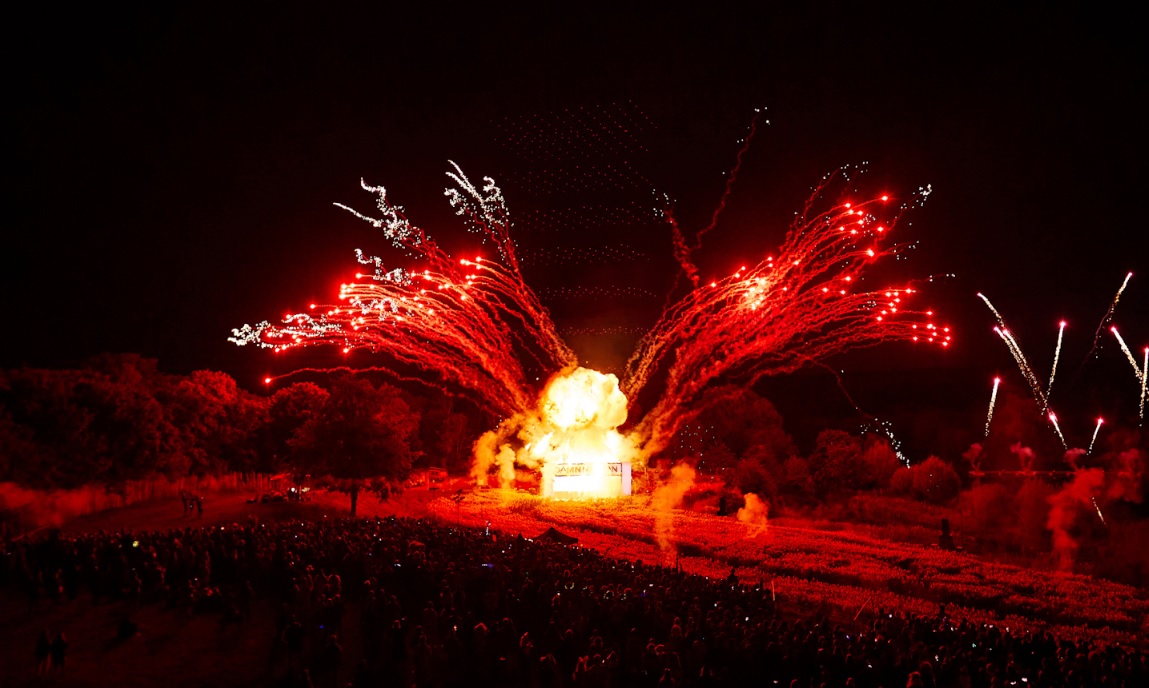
<point>571,439</point>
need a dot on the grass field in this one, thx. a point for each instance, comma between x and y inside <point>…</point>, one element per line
<point>813,568</point>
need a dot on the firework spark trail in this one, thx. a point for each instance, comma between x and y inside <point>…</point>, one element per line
<point>1099,514</point>
<point>1002,331</point>
<point>1095,431</point>
<point>1128,354</point>
<point>682,250</point>
<point>1144,375</point>
<point>1056,357</point>
<point>473,322</point>
<point>1108,315</point>
<point>1023,366</point>
<point>992,403</point>
<point>1053,420</point>
<point>476,327</point>
<point>778,315</point>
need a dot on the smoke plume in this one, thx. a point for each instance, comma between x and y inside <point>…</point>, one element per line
<point>973,455</point>
<point>1024,455</point>
<point>1071,457</point>
<point>1065,508</point>
<point>666,498</point>
<point>754,513</point>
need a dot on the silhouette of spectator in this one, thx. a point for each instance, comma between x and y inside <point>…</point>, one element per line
<point>44,652</point>
<point>59,652</point>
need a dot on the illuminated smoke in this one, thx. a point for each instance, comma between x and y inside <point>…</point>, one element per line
<point>754,513</point>
<point>1119,481</point>
<point>1072,455</point>
<point>973,455</point>
<point>571,435</point>
<point>992,403</point>
<point>665,499</point>
<point>1065,506</point>
<point>1128,476</point>
<point>1024,456</point>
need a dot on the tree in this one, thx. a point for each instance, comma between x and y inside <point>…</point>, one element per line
<point>289,409</point>
<point>932,480</point>
<point>360,433</point>
<point>445,434</point>
<point>737,425</point>
<point>879,461</point>
<point>836,462</point>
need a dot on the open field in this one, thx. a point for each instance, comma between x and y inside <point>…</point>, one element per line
<point>838,571</point>
<point>831,570</point>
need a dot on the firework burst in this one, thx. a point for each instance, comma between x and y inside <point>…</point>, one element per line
<point>782,313</point>
<point>473,324</point>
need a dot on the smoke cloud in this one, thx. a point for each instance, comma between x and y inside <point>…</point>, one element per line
<point>754,513</point>
<point>1071,457</point>
<point>1024,455</point>
<point>575,422</point>
<point>1065,507</point>
<point>666,498</point>
<point>973,455</point>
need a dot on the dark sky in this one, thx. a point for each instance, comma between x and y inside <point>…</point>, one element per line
<point>170,170</point>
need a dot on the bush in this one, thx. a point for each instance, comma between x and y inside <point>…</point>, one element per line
<point>880,463</point>
<point>752,476</point>
<point>933,480</point>
<point>836,463</point>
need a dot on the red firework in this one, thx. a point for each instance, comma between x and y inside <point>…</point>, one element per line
<point>475,323</point>
<point>786,312</point>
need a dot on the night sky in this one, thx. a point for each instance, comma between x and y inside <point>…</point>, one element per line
<point>170,171</point>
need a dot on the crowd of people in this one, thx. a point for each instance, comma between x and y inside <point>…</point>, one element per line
<point>434,605</point>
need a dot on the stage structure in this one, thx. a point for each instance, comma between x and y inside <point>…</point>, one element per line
<point>582,480</point>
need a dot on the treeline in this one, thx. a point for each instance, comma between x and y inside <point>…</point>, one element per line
<point>119,418</point>
<point>740,437</point>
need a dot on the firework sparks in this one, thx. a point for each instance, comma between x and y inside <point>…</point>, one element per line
<point>474,325</point>
<point>1128,353</point>
<point>1099,514</point>
<point>1109,313</point>
<point>1095,431</point>
<point>781,313</point>
<point>471,321</point>
<point>1039,394</point>
<point>1056,357</point>
<point>1053,420</point>
<point>992,403</point>
<point>1144,375</point>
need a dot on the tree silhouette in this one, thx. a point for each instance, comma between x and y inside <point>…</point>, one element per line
<point>361,435</point>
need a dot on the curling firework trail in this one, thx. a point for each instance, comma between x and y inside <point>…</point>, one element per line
<point>992,403</point>
<point>473,324</point>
